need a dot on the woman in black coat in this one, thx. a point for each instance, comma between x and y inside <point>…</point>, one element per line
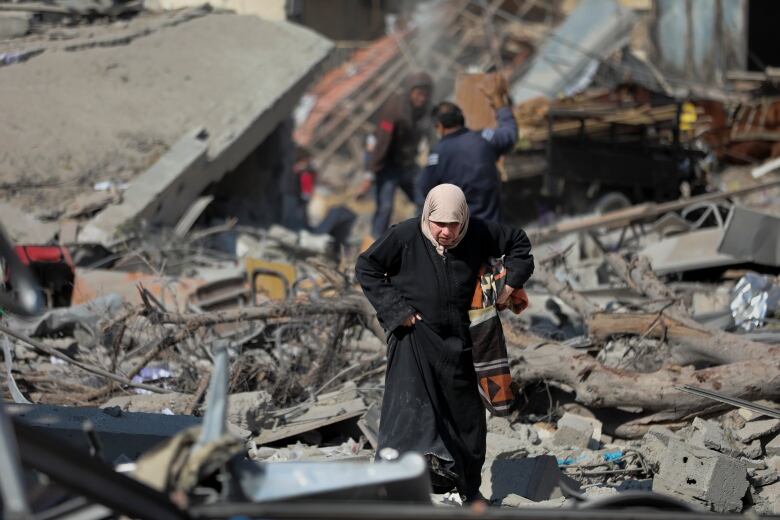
<point>420,277</point>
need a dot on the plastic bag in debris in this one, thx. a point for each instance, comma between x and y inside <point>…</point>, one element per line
<point>754,298</point>
<point>150,374</point>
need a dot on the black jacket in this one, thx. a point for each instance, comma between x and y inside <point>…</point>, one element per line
<point>401,273</point>
<point>399,131</point>
<point>468,159</point>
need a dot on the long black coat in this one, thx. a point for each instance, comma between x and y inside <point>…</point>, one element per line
<point>431,403</point>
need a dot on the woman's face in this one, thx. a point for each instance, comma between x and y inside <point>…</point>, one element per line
<point>445,233</point>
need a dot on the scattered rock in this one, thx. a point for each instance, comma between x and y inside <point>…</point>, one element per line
<point>246,409</point>
<point>519,501</point>
<point>710,435</point>
<point>654,444</point>
<point>766,499</point>
<point>757,429</point>
<point>752,450</point>
<point>14,24</point>
<point>600,491</point>
<point>575,431</point>
<point>502,447</point>
<point>150,403</point>
<point>773,463</point>
<point>773,447</point>
<point>762,477</point>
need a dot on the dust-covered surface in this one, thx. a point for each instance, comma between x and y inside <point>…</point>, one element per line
<point>73,118</point>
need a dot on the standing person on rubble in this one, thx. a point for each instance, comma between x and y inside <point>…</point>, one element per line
<point>297,189</point>
<point>392,162</point>
<point>467,158</point>
<point>420,277</point>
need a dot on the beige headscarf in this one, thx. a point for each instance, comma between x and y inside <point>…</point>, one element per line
<point>445,203</point>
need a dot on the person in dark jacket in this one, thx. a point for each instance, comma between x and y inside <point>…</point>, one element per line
<point>420,277</point>
<point>467,158</point>
<point>393,158</point>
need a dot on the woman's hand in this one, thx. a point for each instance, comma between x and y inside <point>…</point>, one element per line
<point>411,320</point>
<point>503,299</point>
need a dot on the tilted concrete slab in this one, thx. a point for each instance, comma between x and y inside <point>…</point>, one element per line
<point>105,112</point>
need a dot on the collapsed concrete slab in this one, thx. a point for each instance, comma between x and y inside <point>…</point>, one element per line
<point>113,113</point>
<point>702,477</point>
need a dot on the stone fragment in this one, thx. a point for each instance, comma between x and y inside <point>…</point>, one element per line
<point>766,500</point>
<point>773,447</point>
<point>773,462</point>
<point>762,477</point>
<point>752,450</point>
<point>246,409</point>
<point>702,476</point>
<point>710,435</point>
<point>503,447</point>
<point>14,24</point>
<point>573,431</point>
<point>654,444</point>
<point>757,429</point>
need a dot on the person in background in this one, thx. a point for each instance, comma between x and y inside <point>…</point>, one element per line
<point>420,277</point>
<point>468,158</point>
<point>297,190</point>
<point>392,162</point>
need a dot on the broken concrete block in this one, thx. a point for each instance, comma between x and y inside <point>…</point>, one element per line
<point>535,478</point>
<point>710,435</point>
<point>504,447</point>
<point>573,431</point>
<point>519,431</point>
<point>766,499</point>
<point>773,463</point>
<point>654,444</point>
<point>762,477</point>
<point>702,476</point>
<point>757,429</point>
<point>754,450</point>
<point>773,447</point>
<point>14,24</point>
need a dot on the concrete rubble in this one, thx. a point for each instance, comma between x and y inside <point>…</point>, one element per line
<point>646,362</point>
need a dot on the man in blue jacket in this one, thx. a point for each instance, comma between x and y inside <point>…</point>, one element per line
<point>467,158</point>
